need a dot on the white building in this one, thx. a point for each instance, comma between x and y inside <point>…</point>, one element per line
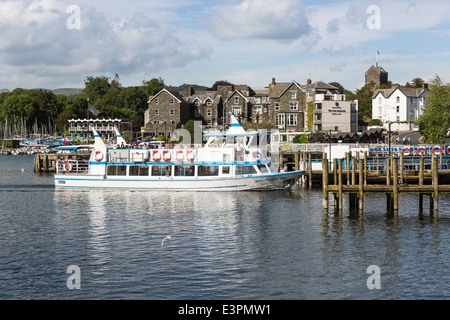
<point>328,110</point>
<point>400,106</point>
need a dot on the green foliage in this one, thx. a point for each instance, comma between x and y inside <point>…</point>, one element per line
<point>300,138</point>
<point>374,122</point>
<point>436,120</point>
<point>364,97</point>
<point>153,86</point>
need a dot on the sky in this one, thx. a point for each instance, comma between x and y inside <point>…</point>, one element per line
<point>58,43</point>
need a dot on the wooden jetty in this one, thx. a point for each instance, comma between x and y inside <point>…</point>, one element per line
<point>357,187</point>
<point>45,162</point>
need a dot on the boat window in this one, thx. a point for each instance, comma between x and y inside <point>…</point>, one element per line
<point>160,170</point>
<point>226,170</point>
<point>117,171</point>
<point>245,170</point>
<point>185,171</point>
<point>138,171</point>
<point>208,170</point>
<point>262,168</point>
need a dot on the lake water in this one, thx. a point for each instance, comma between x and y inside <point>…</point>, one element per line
<point>183,245</point>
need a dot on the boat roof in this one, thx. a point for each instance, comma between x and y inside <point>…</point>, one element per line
<point>74,147</point>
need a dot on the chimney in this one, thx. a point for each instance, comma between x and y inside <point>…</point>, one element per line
<point>308,82</point>
<point>424,86</point>
<point>273,81</point>
<point>191,91</point>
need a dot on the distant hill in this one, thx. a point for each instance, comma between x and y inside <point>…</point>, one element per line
<point>4,90</point>
<point>69,92</point>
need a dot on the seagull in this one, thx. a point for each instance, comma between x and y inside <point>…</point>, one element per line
<point>23,170</point>
<point>162,242</point>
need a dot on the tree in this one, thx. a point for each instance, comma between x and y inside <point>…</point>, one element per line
<point>18,109</point>
<point>436,119</point>
<point>415,83</point>
<point>364,96</point>
<point>300,138</point>
<point>153,86</point>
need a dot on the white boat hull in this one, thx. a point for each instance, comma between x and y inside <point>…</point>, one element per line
<point>276,181</point>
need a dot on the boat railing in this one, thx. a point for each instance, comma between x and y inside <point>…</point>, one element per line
<point>72,166</point>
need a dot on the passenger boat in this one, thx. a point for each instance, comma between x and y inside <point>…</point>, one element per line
<point>231,161</point>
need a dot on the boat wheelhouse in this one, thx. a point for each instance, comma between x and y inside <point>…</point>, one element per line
<point>233,161</point>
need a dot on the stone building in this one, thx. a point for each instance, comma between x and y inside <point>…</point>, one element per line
<point>377,75</point>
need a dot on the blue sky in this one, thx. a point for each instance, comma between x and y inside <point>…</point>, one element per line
<point>241,41</point>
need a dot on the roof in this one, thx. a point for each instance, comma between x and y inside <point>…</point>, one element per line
<point>320,85</point>
<point>408,92</point>
<point>177,95</point>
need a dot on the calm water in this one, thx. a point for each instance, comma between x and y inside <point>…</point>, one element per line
<point>250,245</point>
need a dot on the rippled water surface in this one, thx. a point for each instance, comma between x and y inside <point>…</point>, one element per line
<point>182,245</point>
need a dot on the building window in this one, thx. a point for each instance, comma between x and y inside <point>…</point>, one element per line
<point>398,109</point>
<point>280,120</point>
<point>236,100</point>
<point>156,101</point>
<point>197,113</point>
<point>172,112</point>
<point>156,112</point>
<point>291,119</point>
<point>277,106</point>
<point>236,111</point>
<point>293,94</point>
<point>309,93</point>
<point>398,99</point>
<point>172,101</point>
<point>257,109</point>
<point>197,102</point>
<point>293,105</point>
<point>380,101</point>
<point>257,100</point>
<point>209,112</point>
<point>208,102</point>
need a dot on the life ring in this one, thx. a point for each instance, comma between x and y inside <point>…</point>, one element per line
<point>408,150</point>
<point>166,155</point>
<point>180,155</point>
<point>98,156</point>
<point>67,167</point>
<point>419,150</point>
<point>437,148</point>
<point>256,155</point>
<point>448,150</point>
<point>156,155</point>
<point>189,155</point>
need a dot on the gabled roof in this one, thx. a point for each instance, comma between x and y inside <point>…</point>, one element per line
<point>175,94</point>
<point>408,92</point>
<point>238,92</point>
<point>289,86</point>
<point>320,85</point>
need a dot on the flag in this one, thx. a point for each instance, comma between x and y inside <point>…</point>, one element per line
<point>92,109</point>
<point>378,52</point>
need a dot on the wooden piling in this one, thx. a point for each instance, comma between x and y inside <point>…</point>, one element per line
<point>325,181</point>
<point>435,174</point>
<point>395,182</point>
<point>361,185</point>
<point>310,169</point>
<point>340,202</point>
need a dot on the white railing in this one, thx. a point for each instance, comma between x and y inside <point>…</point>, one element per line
<point>72,166</point>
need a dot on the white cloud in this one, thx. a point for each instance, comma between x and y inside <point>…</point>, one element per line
<point>265,19</point>
<point>35,39</point>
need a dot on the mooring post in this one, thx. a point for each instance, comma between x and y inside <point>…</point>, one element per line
<point>353,171</point>
<point>388,172</point>
<point>365,167</point>
<point>297,156</point>
<point>361,188</point>
<point>395,178</point>
<point>435,173</point>
<point>335,169</point>
<point>401,167</point>
<point>421,168</point>
<point>325,181</point>
<point>340,200</point>
<point>310,169</point>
